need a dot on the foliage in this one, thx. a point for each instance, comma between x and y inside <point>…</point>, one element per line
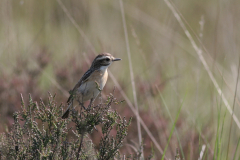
<point>48,47</point>
<point>39,132</point>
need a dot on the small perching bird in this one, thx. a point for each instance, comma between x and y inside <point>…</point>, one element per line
<point>92,82</point>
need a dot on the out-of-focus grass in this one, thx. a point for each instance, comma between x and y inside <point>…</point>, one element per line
<point>41,50</point>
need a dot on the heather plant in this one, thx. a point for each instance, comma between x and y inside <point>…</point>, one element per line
<point>39,132</point>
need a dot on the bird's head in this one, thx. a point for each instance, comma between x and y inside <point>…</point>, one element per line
<point>103,61</point>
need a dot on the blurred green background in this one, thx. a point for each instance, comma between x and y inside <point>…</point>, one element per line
<point>47,45</point>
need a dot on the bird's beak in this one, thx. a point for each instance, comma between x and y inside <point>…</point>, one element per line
<point>117,59</point>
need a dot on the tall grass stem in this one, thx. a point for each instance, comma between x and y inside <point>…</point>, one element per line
<point>235,95</point>
<point>112,77</point>
<point>169,114</point>
<point>173,127</point>
<point>202,59</point>
<point>131,75</point>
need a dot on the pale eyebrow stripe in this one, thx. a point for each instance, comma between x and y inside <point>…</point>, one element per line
<point>100,58</point>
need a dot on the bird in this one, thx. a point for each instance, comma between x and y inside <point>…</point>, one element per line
<point>92,81</point>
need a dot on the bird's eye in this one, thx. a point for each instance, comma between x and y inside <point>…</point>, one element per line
<point>107,59</point>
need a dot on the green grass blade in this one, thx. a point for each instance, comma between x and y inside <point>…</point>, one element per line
<point>173,127</point>
<point>165,104</point>
<point>236,149</point>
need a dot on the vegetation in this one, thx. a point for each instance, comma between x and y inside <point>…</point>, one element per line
<point>39,132</point>
<point>178,75</point>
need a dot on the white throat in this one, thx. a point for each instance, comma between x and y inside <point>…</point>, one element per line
<point>103,68</point>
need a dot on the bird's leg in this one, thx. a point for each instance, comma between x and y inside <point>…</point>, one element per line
<point>91,102</point>
<point>81,104</point>
<point>80,115</point>
<point>71,107</point>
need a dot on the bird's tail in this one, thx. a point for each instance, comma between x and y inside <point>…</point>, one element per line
<point>66,113</point>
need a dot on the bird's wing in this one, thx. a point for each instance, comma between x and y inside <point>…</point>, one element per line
<point>84,79</point>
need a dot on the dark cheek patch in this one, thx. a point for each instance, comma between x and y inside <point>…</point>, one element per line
<point>105,64</point>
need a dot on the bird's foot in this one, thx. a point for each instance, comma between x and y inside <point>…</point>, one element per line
<point>82,105</point>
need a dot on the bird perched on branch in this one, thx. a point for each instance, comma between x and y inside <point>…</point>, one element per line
<point>92,82</point>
